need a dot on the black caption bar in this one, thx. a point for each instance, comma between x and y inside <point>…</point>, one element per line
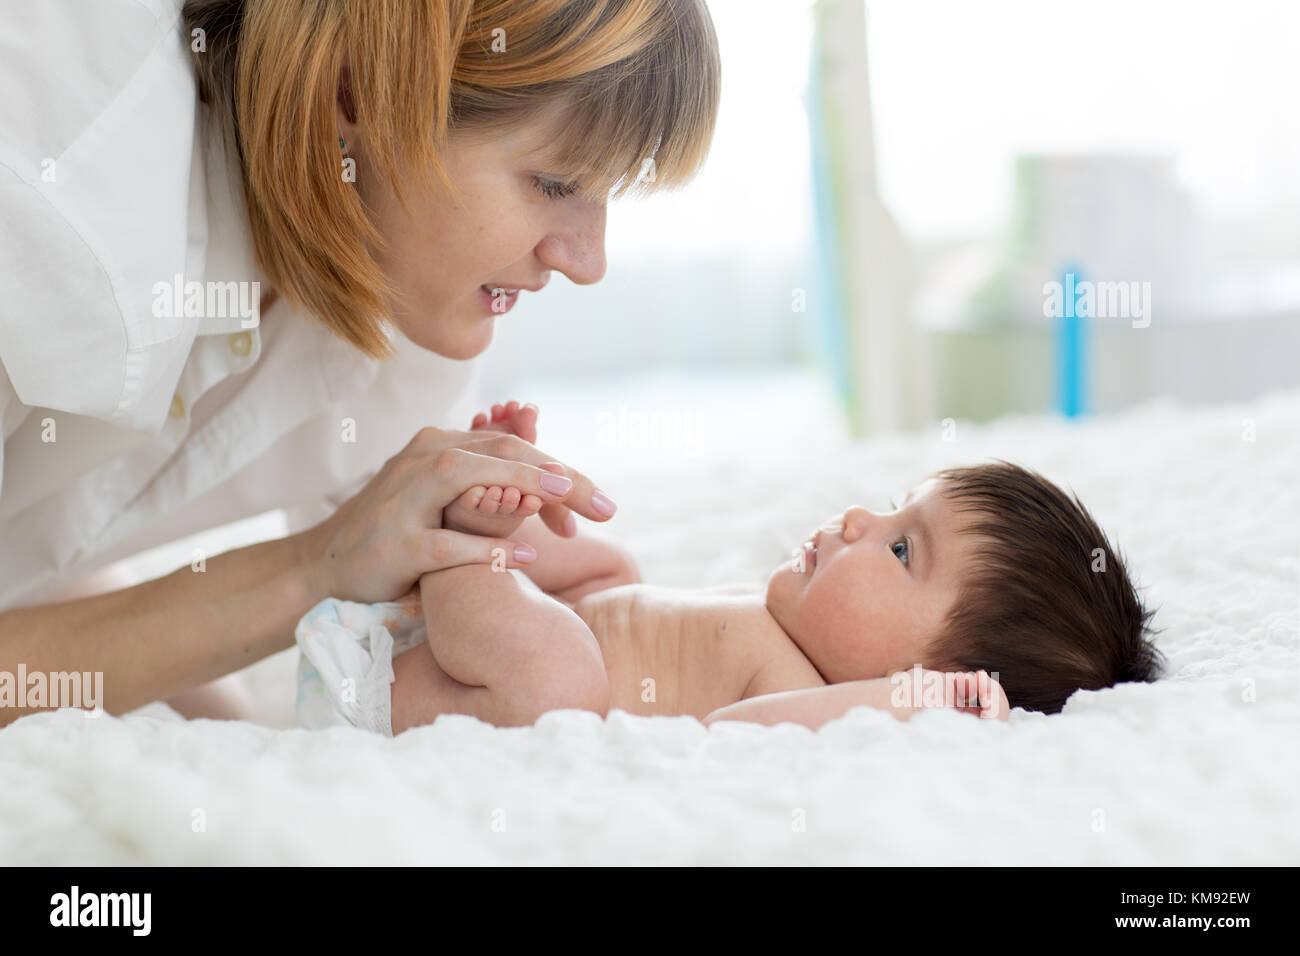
<point>998,904</point>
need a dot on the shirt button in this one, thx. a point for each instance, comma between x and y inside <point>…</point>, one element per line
<point>241,343</point>
<point>178,407</point>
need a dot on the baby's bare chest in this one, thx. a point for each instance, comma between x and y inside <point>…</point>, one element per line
<point>670,652</point>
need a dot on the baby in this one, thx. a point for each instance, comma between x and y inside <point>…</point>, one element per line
<point>987,588</point>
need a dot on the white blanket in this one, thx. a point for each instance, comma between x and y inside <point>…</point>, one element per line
<point>1200,768</point>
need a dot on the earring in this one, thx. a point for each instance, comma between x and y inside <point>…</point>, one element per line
<point>341,143</point>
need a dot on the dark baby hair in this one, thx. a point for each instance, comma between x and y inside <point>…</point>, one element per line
<point>1048,607</point>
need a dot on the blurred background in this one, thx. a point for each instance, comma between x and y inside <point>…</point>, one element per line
<point>892,186</point>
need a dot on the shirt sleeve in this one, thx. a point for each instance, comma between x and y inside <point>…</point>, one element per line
<point>98,125</point>
<point>12,414</point>
<point>308,515</point>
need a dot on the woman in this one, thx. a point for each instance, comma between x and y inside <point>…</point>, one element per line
<point>255,292</point>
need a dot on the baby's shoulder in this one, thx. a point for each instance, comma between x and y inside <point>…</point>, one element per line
<point>786,671</point>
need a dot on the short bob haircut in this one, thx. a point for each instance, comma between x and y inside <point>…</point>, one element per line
<point>638,80</point>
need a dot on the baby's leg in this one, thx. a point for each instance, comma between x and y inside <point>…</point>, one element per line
<point>571,568</point>
<point>225,698</point>
<point>495,651</point>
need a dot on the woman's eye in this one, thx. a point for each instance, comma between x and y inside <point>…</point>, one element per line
<point>552,189</point>
<point>902,550</point>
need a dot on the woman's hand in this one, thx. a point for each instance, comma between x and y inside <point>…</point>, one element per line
<point>492,510</point>
<point>382,539</point>
<point>497,511</point>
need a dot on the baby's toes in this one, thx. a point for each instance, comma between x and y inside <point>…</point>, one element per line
<point>525,423</point>
<point>479,421</point>
<point>509,501</point>
<point>470,499</point>
<point>491,502</point>
<point>528,505</point>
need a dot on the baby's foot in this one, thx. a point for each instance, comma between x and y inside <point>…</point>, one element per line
<point>511,418</point>
<point>496,511</point>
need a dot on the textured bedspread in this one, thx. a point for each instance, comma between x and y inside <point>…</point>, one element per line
<point>1201,767</point>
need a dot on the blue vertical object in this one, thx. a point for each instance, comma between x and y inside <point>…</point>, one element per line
<point>1071,350</point>
<point>829,320</point>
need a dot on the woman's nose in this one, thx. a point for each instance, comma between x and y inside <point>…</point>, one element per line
<point>578,248</point>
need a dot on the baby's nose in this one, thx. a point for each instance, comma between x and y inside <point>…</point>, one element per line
<point>854,522</point>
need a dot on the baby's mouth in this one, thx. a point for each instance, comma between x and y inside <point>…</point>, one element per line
<point>810,554</point>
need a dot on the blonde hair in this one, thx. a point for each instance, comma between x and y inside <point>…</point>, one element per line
<point>639,81</point>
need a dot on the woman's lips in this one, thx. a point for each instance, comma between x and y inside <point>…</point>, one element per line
<point>500,299</point>
<point>497,300</point>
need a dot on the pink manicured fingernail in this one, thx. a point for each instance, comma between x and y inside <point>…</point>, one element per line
<point>556,484</point>
<point>603,503</point>
<point>524,554</point>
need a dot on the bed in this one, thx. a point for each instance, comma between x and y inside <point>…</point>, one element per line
<point>1200,768</point>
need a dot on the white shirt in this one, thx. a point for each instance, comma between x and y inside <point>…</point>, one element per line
<point>123,429</point>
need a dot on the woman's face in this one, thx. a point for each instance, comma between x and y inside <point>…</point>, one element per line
<point>511,225</point>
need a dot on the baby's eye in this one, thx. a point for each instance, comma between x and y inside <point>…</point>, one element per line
<point>902,550</point>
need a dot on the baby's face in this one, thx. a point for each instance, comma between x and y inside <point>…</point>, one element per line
<point>871,590</point>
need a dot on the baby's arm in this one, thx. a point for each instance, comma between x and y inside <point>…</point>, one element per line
<point>812,707</point>
<point>496,651</point>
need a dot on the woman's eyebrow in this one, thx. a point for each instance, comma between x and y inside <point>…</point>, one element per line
<point>545,150</point>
